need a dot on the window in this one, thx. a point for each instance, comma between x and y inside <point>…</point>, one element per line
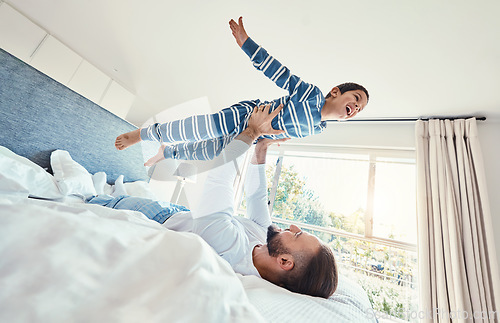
<point>361,202</point>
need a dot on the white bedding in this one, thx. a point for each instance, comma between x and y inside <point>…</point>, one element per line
<point>86,263</point>
<point>75,262</point>
<point>348,304</point>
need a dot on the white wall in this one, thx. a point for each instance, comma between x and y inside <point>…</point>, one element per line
<point>365,134</point>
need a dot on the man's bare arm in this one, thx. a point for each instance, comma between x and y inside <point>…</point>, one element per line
<point>260,152</point>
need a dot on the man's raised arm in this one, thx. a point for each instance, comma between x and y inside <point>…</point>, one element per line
<point>218,191</point>
<point>255,184</point>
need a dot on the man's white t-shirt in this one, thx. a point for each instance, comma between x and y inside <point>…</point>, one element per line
<point>232,237</point>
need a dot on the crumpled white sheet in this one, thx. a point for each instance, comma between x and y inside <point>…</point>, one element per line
<point>87,263</point>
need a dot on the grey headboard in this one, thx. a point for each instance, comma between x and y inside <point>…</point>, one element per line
<point>39,115</point>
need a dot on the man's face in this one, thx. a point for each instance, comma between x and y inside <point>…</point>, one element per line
<point>290,240</point>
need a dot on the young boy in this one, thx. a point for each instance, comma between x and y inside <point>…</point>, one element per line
<point>305,111</point>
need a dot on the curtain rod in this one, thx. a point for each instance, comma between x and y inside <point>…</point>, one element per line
<point>406,119</point>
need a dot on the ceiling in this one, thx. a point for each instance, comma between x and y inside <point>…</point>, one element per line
<point>416,58</point>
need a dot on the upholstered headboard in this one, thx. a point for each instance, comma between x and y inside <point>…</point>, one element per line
<point>39,115</point>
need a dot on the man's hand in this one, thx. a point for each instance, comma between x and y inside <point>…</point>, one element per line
<point>238,30</point>
<point>260,152</point>
<point>260,124</point>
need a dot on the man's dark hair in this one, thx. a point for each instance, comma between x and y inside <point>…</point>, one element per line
<point>350,86</point>
<point>315,276</point>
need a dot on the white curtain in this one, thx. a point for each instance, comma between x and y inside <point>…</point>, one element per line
<point>459,279</point>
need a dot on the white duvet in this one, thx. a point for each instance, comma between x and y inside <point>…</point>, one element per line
<point>87,263</point>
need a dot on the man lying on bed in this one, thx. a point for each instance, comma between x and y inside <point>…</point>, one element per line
<point>291,258</point>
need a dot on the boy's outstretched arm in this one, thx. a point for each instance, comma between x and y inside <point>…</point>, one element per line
<point>238,30</point>
<point>271,67</point>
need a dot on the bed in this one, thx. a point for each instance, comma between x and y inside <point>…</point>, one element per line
<point>62,260</point>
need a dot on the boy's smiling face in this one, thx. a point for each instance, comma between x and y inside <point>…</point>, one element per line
<point>343,106</point>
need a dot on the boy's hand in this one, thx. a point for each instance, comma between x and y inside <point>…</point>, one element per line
<point>238,30</point>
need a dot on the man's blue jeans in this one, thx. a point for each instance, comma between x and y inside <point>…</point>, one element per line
<point>158,211</point>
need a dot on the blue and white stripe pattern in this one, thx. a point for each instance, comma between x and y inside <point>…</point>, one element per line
<point>203,137</point>
<point>158,211</point>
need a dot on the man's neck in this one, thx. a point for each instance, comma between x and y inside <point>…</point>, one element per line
<point>264,263</point>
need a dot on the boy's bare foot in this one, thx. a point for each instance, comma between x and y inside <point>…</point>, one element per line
<point>128,139</point>
<point>156,158</point>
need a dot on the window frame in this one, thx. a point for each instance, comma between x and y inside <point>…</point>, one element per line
<point>372,152</point>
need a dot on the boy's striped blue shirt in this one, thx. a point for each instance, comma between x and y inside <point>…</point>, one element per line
<point>301,114</point>
<point>205,136</point>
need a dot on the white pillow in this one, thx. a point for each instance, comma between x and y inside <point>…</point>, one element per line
<point>100,184</point>
<point>72,178</point>
<point>20,176</point>
<point>349,303</point>
<point>140,189</point>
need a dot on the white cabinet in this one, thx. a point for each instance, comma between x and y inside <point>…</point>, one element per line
<point>56,60</point>
<point>18,35</point>
<point>117,99</point>
<point>89,82</point>
<point>24,39</point>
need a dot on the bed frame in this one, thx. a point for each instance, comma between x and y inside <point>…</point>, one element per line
<point>39,115</point>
